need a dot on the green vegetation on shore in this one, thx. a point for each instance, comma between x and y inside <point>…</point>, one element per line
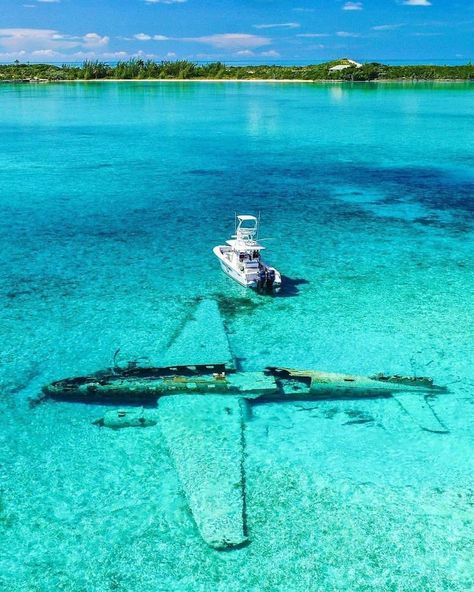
<point>137,69</point>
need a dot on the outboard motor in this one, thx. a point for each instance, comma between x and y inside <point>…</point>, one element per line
<point>266,279</point>
<point>261,280</point>
<point>270,278</point>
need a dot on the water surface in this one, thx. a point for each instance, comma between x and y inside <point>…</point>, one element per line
<point>112,196</point>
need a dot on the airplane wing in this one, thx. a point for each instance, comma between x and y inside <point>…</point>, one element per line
<point>202,339</point>
<point>204,433</point>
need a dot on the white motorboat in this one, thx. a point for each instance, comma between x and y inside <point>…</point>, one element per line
<point>240,258</point>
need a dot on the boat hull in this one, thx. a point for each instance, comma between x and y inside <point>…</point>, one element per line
<point>240,278</point>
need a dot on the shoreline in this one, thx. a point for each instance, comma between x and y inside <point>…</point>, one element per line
<point>136,70</point>
<point>245,80</point>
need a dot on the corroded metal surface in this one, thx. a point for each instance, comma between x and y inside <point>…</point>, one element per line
<point>147,384</point>
<point>205,440</point>
<point>335,385</point>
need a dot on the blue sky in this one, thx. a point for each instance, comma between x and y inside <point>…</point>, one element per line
<point>236,31</point>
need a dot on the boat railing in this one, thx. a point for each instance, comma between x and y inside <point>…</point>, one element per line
<point>247,240</point>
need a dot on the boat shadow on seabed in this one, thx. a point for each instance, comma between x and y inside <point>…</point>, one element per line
<point>289,287</point>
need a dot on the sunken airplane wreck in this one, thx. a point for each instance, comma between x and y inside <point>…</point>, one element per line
<point>200,409</point>
<point>134,384</point>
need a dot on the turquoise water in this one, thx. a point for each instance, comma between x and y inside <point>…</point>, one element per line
<point>111,199</point>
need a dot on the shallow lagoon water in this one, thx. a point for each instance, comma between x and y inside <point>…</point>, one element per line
<point>111,198</point>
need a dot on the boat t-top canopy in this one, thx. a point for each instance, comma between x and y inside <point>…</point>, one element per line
<point>245,246</point>
<point>247,227</point>
<point>245,238</point>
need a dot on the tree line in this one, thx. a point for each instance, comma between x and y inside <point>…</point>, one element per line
<point>137,69</point>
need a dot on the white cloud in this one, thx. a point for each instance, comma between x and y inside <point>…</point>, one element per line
<point>45,53</point>
<point>6,56</point>
<point>112,55</point>
<point>94,40</point>
<point>417,2</point>
<point>32,39</point>
<point>246,53</point>
<point>24,43</point>
<point>353,6</point>
<point>271,53</point>
<point>313,35</point>
<point>108,55</point>
<point>165,1</point>
<point>47,39</point>
<point>231,40</point>
<point>207,56</point>
<point>278,26</point>
<point>77,56</point>
<point>347,34</point>
<point>146,37</point>
<point>49,1</point>
<point>386,27</point>
<point>142,37</point>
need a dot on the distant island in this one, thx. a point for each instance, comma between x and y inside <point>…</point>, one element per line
<point>137,69</point>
